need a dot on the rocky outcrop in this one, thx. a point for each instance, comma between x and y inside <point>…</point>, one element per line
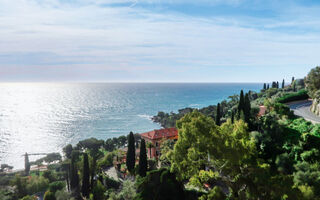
<point>315,107</point>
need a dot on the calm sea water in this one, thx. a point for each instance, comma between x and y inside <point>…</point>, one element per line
<point>44,117</point>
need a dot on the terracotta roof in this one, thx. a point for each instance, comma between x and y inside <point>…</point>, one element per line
<point>161,133</point>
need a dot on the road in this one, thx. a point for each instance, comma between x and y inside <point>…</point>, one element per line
<point>302,109</point>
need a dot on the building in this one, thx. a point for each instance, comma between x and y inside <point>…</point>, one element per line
<point>262,111</point>
<point>155,137</point>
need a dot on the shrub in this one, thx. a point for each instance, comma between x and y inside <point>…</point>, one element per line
<point>55,186</point>
<point>49,196</point>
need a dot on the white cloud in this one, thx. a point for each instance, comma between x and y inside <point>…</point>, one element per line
<point>132,38</point>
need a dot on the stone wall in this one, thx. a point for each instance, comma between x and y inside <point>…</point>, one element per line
<point>316,106</point>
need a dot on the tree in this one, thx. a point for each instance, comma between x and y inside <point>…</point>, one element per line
<point>98,191</point>
<point>160,185</point>
<point>74,177</point>
<point>313,81</point>
<point>68,151</point>
<point>26,164</point>
<point>241,104</point>
<point>85,176</point>
<point>150,146</point>
<point>143,162</point>
<point>264,86</point>
<point>268,86</point>
<point>277,84</point>
<point>247,108</point>
<point>283,83</point>
<point>292,80</point>
<point>131,153</point>
<point>218,115</point>
<point>232,116</point>
<point>49,196</point>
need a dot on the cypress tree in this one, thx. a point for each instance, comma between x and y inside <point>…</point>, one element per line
<point>268,87</point>
<point>26,164</point>
<point>143,162</point>
<point>294,87</point>
<point>247,108</point>
<point>218,115</point>
<point>74,177</point>
<point>292,80</point>
<point>277,84</point>
<point>131,153</point>
<point>232,117</point>
<point>85,176</point>
<point>283,83</point>
<point>241,104</point>
<point>264,86</point>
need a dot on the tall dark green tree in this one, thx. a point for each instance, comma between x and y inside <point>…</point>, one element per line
<point>283,83</point>
<point>143,162</point>
<point>247,108</point>
<point>232,116</point>
<point>277,84</point>
<point>264,86</point>
<point>74,177</point>
<point>131,153</point>
<point>26,164</point>
<point>268,86</point>
<point>85,176</point>
<point>292,80</point>
<point>241,104</point>
<point>218,115</point>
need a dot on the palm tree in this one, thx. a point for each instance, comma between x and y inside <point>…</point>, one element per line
<point>150,146</point>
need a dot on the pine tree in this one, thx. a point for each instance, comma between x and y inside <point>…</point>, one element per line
<point>283,83</point>
<point>143,162</point>
<point>247,108</point>
<point>218,115</point>
<point>26,164</point>
<point>131,153</point>
<point>241,104</point>
<point>85,176</point>
<point>264,86</point>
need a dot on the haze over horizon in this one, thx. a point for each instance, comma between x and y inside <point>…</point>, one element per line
<point>157,40</point>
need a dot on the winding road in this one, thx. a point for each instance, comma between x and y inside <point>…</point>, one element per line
<point>302,109</point>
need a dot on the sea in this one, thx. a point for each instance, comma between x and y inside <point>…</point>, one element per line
<point>45,117</point>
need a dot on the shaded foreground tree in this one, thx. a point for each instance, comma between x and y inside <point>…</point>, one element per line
<point>26,164</point>
<point>131,153</point>
<point>160,185</point>
<point>85,176</point>
<point>143,162</point>
<point>74,178</point>
<point>218,115</point>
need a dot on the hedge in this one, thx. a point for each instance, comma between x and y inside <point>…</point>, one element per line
<point>301,95</point>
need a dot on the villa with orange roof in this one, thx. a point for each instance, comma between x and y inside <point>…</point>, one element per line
<point>156,137</point>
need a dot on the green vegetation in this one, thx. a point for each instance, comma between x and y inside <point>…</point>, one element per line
<point>294,96</point>
<point>224,152</point>
<point>131,153</point>
<point>143,162</point>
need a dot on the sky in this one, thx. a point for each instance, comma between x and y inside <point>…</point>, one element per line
<point>158,40</point>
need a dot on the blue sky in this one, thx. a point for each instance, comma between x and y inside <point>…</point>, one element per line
<point>158,40</point>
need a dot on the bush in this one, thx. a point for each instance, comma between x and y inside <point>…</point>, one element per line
<point>106,161</point>
<point>55,186</point>
<point>49,196</point>
<point>111,183</point>
<point>296,96</point>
